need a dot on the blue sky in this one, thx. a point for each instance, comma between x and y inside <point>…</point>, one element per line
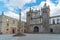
<point>14,6</point>
<point>16,9</point>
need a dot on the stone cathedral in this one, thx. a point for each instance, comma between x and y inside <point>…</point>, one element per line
<point>41,22</point>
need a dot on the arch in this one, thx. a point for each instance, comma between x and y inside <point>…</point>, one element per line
<point>51,30</point>
<point>36,29</point>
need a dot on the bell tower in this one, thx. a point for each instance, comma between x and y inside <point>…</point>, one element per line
<point>29,17</point>
<point>45,17</point>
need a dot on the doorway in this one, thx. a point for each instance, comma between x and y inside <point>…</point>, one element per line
<point>36,29</point>
<point>51,30</point>
<point>13,31</point>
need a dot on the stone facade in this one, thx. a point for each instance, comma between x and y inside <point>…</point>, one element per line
<point>39,21</point>
<point>9,25</point>
<point>54,24</point>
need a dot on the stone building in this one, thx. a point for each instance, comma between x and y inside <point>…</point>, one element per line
<point>40,21</point>
<point>9,25</point>
<point>54,24</point>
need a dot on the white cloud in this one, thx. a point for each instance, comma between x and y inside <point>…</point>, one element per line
<point>23,16</point>
<point>17,3</point>
<point>55,9</point>
<point>11,14</point>
<point>16,16</point>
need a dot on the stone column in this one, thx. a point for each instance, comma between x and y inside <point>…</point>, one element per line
<point>19,33</point>
<point>19,24</point>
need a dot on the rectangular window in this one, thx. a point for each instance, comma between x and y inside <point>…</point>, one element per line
<point>58,21</point>
<point>7,24</point>
<point>53,21</point>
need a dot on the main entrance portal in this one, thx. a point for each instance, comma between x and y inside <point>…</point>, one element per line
<point>36,29</point>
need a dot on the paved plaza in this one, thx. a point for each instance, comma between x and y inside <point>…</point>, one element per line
<point>32,37</point>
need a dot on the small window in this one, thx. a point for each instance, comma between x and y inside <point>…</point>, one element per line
<point>28,14</point>
<point>57,21</point>
<point>44,11</point>
<point>7,24</point>
<point>7,29</point>
<point>53,21</point>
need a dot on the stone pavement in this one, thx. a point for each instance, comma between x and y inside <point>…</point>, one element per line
<point>32,37</point>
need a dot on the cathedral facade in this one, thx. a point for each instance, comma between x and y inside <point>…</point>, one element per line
<point>39,21</point>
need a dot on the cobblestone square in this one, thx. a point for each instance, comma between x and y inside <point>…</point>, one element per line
<point>32,37</point>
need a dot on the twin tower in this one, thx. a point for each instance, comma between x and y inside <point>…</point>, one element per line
<point>38,20</point>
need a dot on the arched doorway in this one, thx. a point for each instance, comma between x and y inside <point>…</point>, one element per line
<point>36,29</point>
<point>51,30</point>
